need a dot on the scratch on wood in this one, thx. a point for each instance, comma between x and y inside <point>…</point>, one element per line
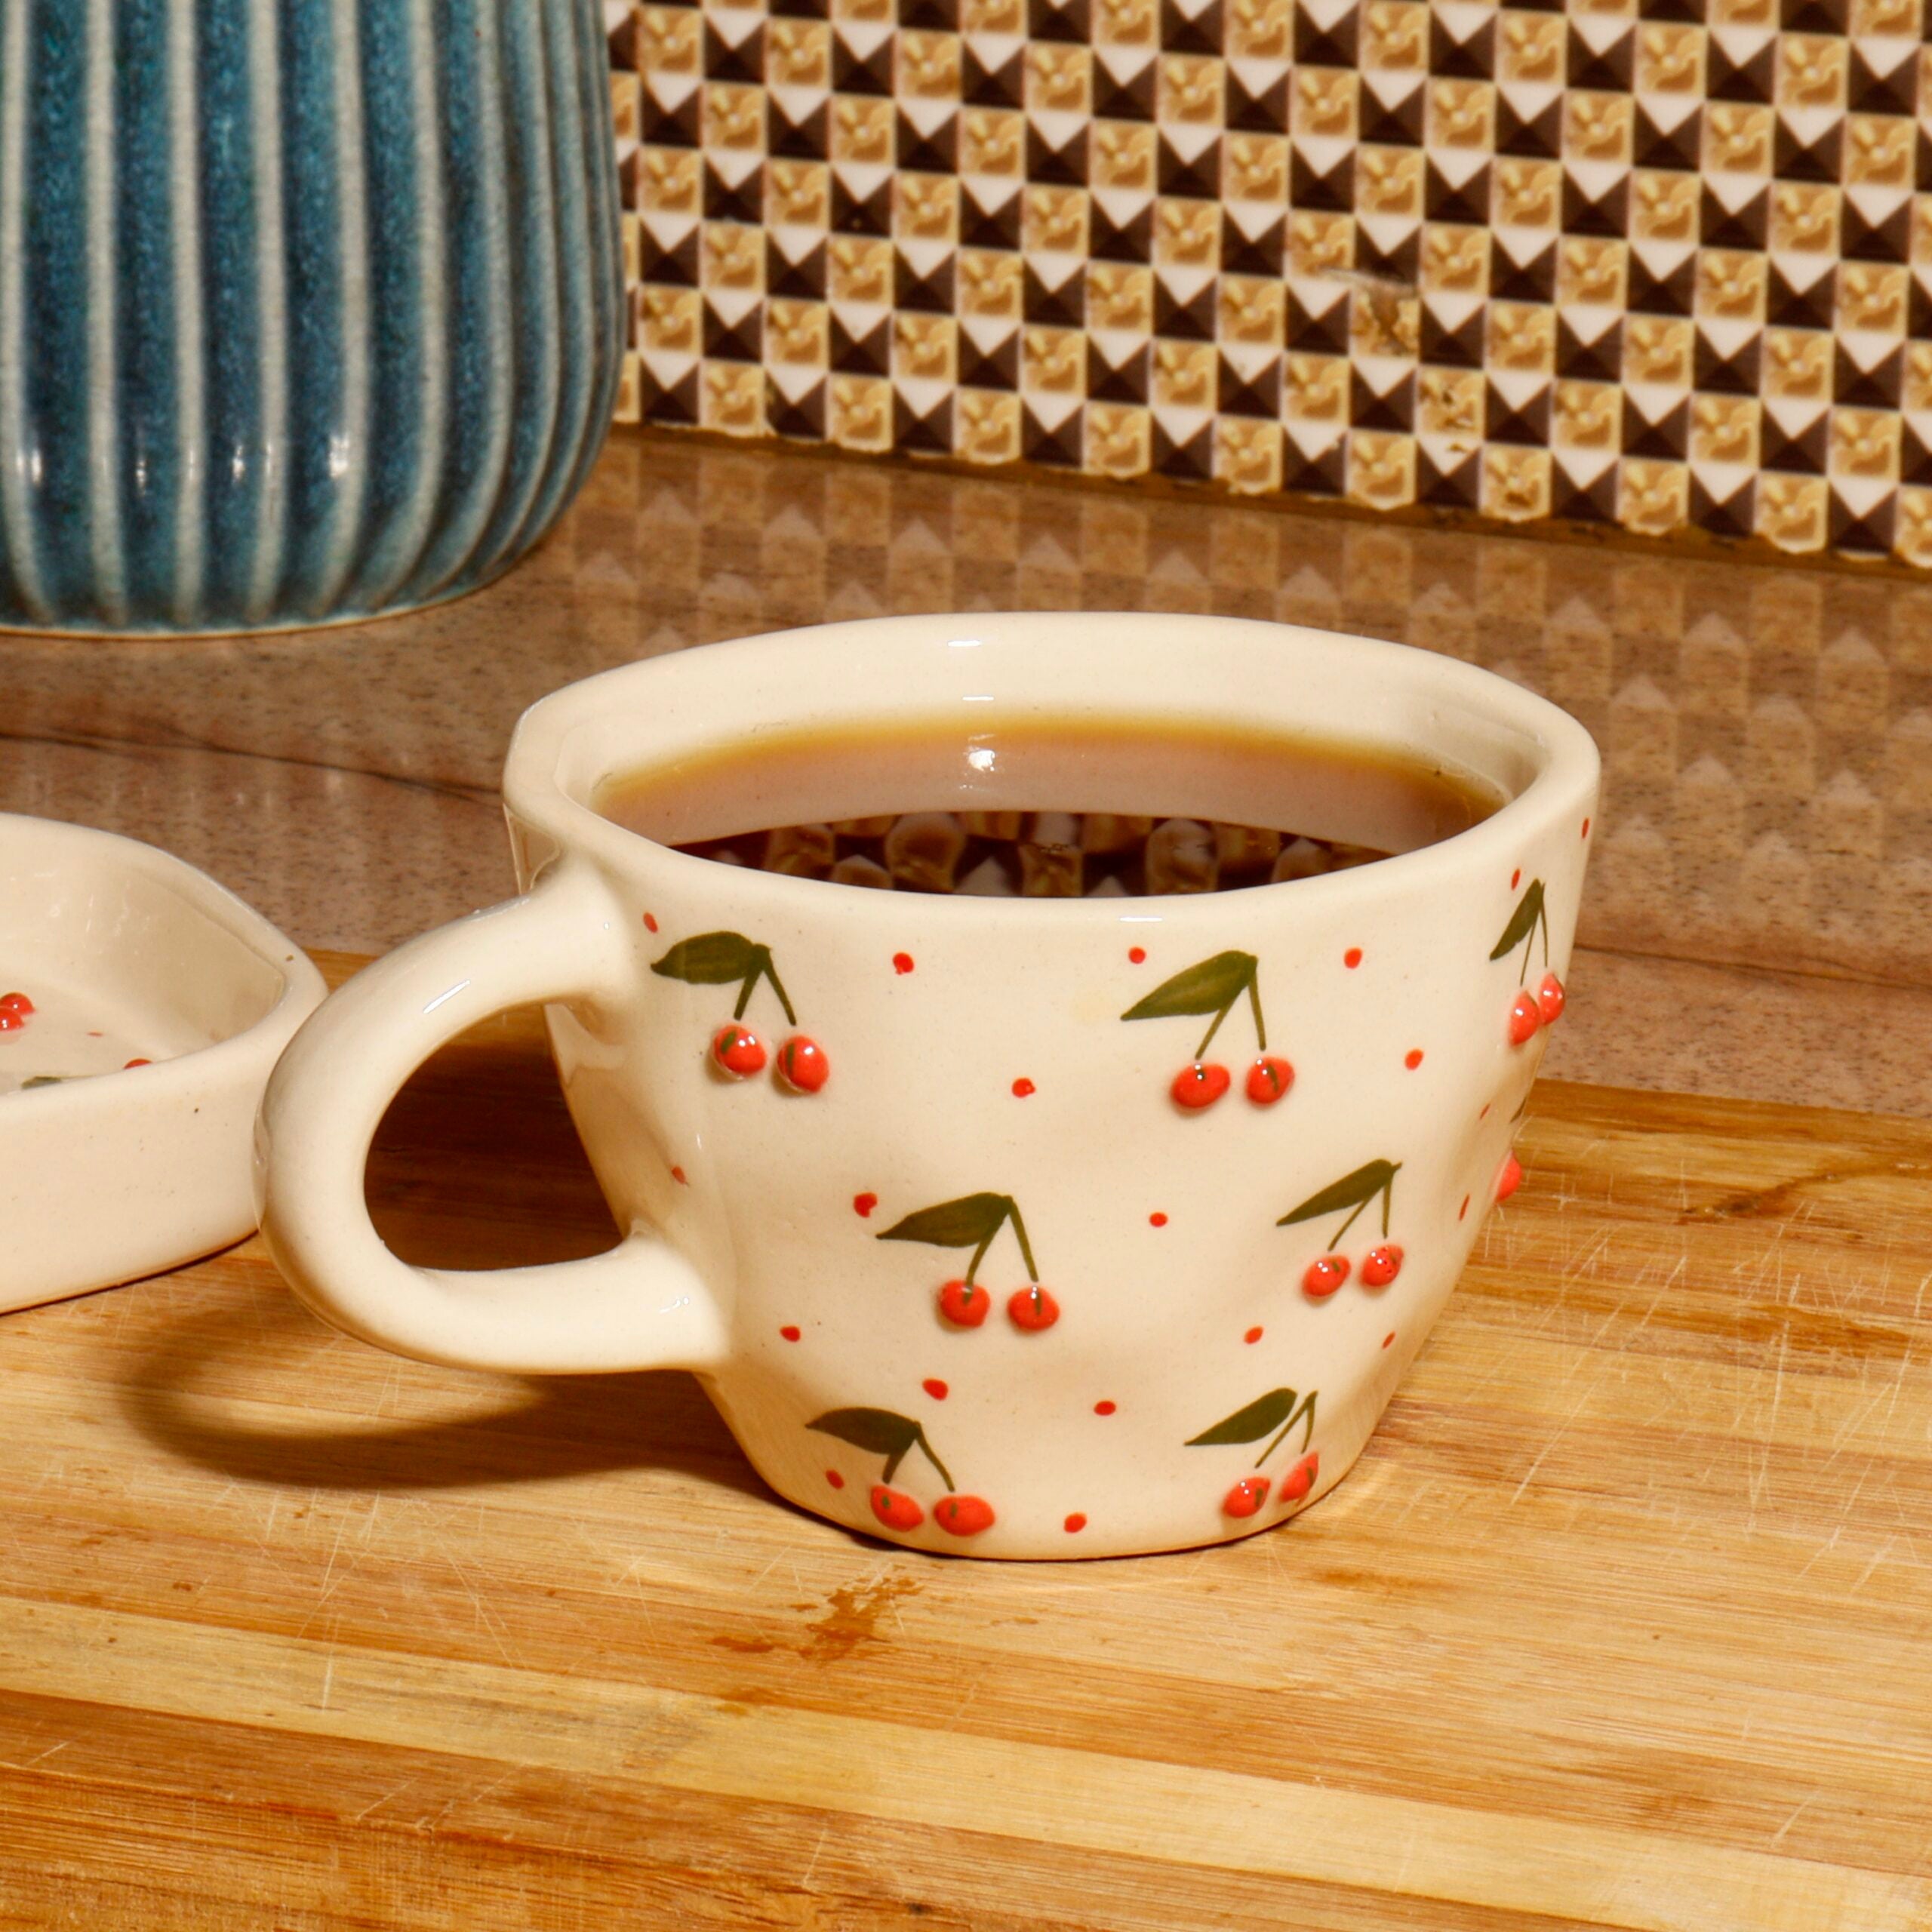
<point>1556,1436</point>
<point>805,1877</point>
<point>382,1800</point>
<point>1804,1805</point>
<point>1878,1556</point>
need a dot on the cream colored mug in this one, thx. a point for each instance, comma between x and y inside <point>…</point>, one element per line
<point>972,1277</point>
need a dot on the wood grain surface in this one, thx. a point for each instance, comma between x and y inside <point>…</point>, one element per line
<point>1625,1619</point>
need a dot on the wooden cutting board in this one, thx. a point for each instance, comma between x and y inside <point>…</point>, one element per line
<point>1625,1619</point>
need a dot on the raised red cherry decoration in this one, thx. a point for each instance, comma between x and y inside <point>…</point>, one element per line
<point>1325,1275</point>
<point>895,1509</point>
<point>723,959</point>
<point>1247,1496</point>
<point>1272,1415</point>
<point>802,1065</point>
<point>1509,1178</point>
<point>974,1221</point>
<point>1269,1079</point>
<point>885,1432</point>
<point>1354,1191</point>
<point>1551,999</point>
<point>964,1304</point>
<point>1380,1265</point>
<point>16,1009</point>
<point>1529,1011</point>
<point>1200,1085</point>
<point>1032,1309</point>
<point>1300,1479</point>
<point>737,1051</point>
<point>963,1515</point>
<point>1213,986</point>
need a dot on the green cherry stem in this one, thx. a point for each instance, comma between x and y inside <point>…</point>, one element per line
<point>1387,1191</point>
<point>926,1448</point>
<point>1306,1409</point>
<point>1541,931</point>
<point>979,1255</point>
<point>1340,1233</point>
<point>1250,981</point>
<point>778,987</point>
<point>761,968</point>
<point>1020,1229</point>
<point>1213,1030</point>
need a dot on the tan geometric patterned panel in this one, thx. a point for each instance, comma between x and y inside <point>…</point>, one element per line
<point>1664,266</point>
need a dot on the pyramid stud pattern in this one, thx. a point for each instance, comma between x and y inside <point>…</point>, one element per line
<point>1663,265</point>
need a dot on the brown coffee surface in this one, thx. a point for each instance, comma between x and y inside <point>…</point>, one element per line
<point>1045,808</point>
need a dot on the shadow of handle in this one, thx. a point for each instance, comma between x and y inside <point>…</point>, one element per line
<point>181,1397</point>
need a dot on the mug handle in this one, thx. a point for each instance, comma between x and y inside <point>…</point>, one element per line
<point>641,1305</point>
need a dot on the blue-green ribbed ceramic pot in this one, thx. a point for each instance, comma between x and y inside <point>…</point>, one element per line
<point>309,309</point>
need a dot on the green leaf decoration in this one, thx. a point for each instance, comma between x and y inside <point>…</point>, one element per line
<point>1351,1191</point>
<point>1522,922</point>
<point>711,959</point>
<point>970,1222</point>
<point>1212,986</point>
<point>880,1433</point>
<point>1272,1415</point>
<point>1261,1418</point>
<point>43,1080</point>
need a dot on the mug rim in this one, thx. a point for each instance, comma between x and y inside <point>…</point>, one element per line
<point>536,793</point>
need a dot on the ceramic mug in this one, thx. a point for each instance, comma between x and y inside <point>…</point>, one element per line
<point>1195,1315</point>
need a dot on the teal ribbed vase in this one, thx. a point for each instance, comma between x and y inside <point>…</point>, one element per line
<point>309,309</point>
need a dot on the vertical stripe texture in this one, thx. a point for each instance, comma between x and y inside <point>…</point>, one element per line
<point>308,308</point>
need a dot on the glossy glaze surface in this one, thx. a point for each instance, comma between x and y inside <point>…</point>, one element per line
<point>144,1006</point>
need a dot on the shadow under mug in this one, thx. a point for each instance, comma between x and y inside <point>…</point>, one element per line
<point>1170,1353</point>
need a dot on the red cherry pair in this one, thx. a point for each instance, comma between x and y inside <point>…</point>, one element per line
<point>1529,1010</point>
<point>738,1053</point>
<point>1204,1083</point>
<point>1379,1266</point>
<point>958,1515</point>
<point>1247,1496</point>
<point>966,1305</point>
<point>15,1010</point>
